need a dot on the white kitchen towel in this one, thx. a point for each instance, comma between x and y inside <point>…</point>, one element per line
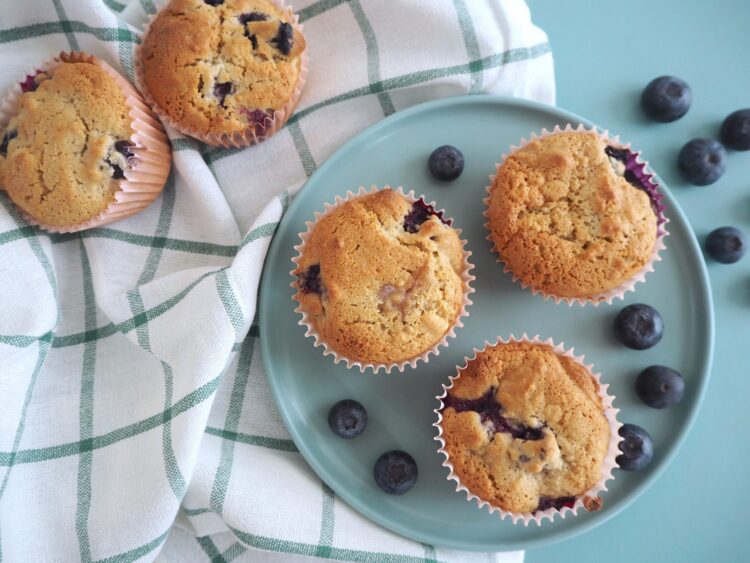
<point>132,393</point>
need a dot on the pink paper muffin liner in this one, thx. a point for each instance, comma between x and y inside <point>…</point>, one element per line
<point>152,155</point>
<point>634,164</point>
<point>589,499</point>
<point>466,278</point>
<point>252,135</point>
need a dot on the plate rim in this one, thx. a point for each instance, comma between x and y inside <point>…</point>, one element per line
<point>353,501</point>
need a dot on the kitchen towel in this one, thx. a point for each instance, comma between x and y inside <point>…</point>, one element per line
<point>135,418</point>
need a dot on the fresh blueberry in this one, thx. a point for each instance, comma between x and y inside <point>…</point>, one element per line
<point>395,472</point>
<point>284,38</point>
<point>637,448</point>
<point>252,17</point>
<point>557,502</point>
<point>735,131</point>
<point>347,418</point>
<point>310,282</point>
<point>7,138</point>
<point>702,161</point>
<point>446,163</point>
<point>726,244</point>
<point>659,386</point>
<point>666,99</point>
<point>639,326</point>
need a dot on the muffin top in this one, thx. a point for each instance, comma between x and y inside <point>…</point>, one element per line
<point>525,428</point>
<point>568,219</point>
<point>63,154</point>
<point>221,66</point>
<point>381,278</point>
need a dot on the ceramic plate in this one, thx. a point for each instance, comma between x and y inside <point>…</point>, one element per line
<point>306,384</point>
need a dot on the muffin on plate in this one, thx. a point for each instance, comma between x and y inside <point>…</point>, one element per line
<point>528,430</point>
<point>71,155</point>
<point>574,215</point>
<point>382,279</point>
<point>228,72</point>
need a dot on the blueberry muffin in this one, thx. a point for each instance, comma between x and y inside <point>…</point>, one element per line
<point>65,151</point>
<point>525,429</point>
<point>569,216</point>
<point>222,69</point>
<point>381,279</point>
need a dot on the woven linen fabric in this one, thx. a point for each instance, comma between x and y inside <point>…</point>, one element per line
<point>135,418</point>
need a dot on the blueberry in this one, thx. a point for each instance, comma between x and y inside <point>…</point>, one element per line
<point>735,131</point>
<point>659,386</point>
<point>30,84</point>
<point>637,448</point>
<point>666,99</point>
<point>222,90</point>
<point>123,147</point>
<point>726,244</point>
<point>556,502</point>
<point>284,38</point>
<point>258,118</point>
<point>421,212</point>
<point>7,138</point>
<point>252,17</point>
<point>310,282</point>
<point>347,418</point>
<point>117,172</point>
<point>213,2</point>
<point>395,472</point>
<point>639,326</point>
<point>446,163</point>
<point>702,161</point>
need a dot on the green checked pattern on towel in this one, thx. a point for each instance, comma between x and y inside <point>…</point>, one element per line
<point>135,419</point>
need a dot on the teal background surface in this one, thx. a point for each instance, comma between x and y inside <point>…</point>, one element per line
<point>605,53</point>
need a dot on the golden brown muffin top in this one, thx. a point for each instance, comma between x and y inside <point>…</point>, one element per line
<point>222,66</point>
<point>566,221</point>
<point>381,278</point>
<point>64,152</point>
<point>525,428</point>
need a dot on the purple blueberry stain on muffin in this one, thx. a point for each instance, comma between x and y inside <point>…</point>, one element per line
<point>558,503</point>
<point>310,281</point>
<point>258,118</point>
<point>421,212</point>
<point>490,413</point>
<point>284,38</point>
<point>7,138</point>
<point>625,163</point>
<point>33,80</point>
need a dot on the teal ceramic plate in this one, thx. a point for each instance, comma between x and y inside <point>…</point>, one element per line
<point>306,384</point>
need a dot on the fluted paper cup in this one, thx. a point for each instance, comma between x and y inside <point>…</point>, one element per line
<point>152,156</point>
<point>319,340</point>
<point>639,168</point>
<point>590,499</point>
<point>252,134</point>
